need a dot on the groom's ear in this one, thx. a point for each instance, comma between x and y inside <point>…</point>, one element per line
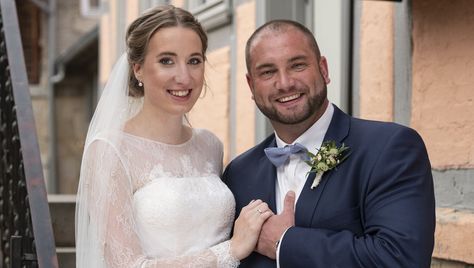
<point>324,70</point>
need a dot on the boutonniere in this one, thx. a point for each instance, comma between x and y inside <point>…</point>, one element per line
<point>327,158</point>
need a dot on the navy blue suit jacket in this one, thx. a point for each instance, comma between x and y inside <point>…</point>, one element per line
<point>376,209</point>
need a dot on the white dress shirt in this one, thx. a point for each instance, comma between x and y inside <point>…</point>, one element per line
<point>292,175</point>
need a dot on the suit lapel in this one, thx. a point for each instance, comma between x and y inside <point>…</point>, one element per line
<point>309,199</point>
<point>267,176</point>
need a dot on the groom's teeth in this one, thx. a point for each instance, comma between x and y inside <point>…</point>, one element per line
<point>179,93</point>
<point>289,98</point>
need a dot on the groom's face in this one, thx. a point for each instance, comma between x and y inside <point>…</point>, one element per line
<point>287,80</point>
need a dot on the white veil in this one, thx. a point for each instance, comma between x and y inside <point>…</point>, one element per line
<point>115,107</point>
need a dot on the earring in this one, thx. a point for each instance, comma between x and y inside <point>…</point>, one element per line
<point>140,84</point>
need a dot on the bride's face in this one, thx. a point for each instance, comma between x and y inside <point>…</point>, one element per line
<point>173,71</point>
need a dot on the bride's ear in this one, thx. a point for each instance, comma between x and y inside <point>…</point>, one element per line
<point>137,71</point>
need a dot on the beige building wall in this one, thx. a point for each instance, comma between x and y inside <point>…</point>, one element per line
<point>454,237</point>
<point>443,68</point>
<point>376,61</point>
<point>212,109</point>
<point>178,3</point>
<point>245,106</point>
<point>133,9</point>
<point>107,42</point>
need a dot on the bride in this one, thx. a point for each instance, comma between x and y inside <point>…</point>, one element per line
<point>150,194</point>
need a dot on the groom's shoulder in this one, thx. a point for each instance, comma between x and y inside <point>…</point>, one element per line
<point>364,124</point>
<point>366,127</point>
<point>377,127</point>
<point>380,131</point>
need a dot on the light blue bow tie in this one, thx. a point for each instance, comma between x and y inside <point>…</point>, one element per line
<point>278,156</point>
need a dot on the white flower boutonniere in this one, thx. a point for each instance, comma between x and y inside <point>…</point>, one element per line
<point>327,158</point>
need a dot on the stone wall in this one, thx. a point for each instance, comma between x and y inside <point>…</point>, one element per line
<point>70,26</point>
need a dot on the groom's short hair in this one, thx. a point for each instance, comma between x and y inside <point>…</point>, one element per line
<point>281,26</point>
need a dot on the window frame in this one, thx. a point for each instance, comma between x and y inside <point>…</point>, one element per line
<point>212,14</point>
<point>88,10</point>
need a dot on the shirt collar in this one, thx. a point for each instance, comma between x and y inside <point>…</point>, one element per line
<point>313,137</point>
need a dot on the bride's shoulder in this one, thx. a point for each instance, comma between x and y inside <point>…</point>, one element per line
<point>202,134</point>
<point>111,139</point>
<point>110,136</point>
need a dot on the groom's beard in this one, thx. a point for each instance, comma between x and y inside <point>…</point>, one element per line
<point>312,105</point>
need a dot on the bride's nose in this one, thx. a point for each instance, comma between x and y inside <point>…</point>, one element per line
<point>183,75</point>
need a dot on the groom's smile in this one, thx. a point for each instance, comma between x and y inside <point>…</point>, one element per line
<point>290,98</point>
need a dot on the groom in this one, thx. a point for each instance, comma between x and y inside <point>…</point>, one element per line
<point>374,208</point>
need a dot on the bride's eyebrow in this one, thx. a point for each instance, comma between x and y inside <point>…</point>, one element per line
<point>166,53</point>
<point>197,54</point>
<point>169,53</point>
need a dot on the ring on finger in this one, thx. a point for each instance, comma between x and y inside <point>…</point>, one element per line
<point>259,211</point>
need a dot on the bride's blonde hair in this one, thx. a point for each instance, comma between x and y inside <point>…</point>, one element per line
<point>142,29</point>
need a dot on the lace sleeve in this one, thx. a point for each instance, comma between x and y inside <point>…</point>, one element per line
<point>106,232</point>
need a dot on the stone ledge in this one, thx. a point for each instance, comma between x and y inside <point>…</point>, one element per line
<point>454,236</point>
<point>61,198</point>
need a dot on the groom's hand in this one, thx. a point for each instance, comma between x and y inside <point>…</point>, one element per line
<point>275,226</point>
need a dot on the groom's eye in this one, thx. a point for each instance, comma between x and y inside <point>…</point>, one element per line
<point>267,73</point>
<point>299,66</point>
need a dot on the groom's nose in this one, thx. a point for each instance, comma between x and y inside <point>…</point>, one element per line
<point>284,81</point>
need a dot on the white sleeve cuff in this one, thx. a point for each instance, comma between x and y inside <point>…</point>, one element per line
<point>278,249</point>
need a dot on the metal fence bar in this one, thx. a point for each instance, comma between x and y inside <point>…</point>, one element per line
<point>25,183</point>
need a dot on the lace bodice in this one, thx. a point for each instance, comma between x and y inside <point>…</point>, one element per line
<point>163,205</point>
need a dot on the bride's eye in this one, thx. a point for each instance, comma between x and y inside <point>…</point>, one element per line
<point>195,61</point>
<point>166,61</point>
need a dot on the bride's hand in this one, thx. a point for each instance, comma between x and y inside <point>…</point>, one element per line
<point>247,228</point>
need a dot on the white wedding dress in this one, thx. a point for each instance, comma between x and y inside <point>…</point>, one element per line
<point>154,204</point>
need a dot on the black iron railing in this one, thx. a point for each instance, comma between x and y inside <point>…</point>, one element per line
<point>25,226</point>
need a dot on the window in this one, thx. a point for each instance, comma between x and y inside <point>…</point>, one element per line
<point>146,4</point>
<point>211,13</point>
<point>91,8</point>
